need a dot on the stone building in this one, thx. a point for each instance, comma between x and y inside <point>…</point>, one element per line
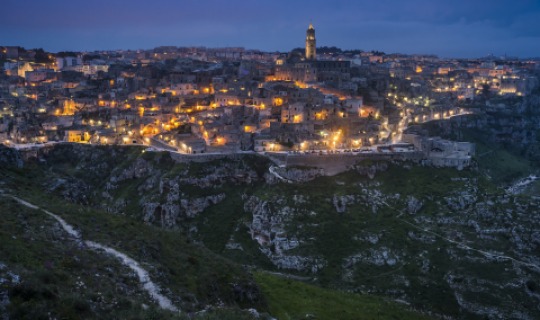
<point>311,43</point>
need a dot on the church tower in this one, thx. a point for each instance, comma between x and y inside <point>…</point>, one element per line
<point>310,43</point>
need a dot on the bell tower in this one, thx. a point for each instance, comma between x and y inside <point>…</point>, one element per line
<point>311,43</point>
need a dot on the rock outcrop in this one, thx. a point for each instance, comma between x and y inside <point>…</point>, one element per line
<point>268,229</point>
<point>10,157</point>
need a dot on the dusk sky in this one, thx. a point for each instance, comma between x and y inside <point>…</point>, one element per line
<point>456,28</point>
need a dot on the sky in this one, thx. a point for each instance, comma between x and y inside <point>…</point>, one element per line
<point>449,28</point>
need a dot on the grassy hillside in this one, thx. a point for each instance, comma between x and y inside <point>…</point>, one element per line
<point>56,276</point>
<point>500,163</point>
<point>427,236</point>
<point>289,299</point>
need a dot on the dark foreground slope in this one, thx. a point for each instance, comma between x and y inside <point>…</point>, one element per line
<point>445,242</point>
<point>46,273</point>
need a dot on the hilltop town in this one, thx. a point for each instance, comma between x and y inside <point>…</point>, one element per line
<point>200,183</point>
<point>310,102</point>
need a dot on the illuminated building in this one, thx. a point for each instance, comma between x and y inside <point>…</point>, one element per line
<point>311,43</point>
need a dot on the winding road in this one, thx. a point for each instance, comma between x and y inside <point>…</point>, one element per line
<point>144,278</point>
<point>272,170</point>
<point>518,186</point>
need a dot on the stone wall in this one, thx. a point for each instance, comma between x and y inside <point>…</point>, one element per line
<point>205,157</point>
<point>333,164</point>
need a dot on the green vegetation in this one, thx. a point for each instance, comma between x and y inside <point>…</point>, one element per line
<point>533,189</point>
<point>338,236</point>
<point>59,278</point>
<point>199,269</point>
<point>193,273</point>
<point>502,164</point>
<point>428,181</point>
<point>289,299</point>
<point>189,271</point>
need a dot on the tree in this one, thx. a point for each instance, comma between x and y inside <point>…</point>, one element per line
<point>63,54</point>
<point>485,90</point>
<point>42,56</point>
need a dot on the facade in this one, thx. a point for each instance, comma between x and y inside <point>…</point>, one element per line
<point>68,61</point>
<point>302,72</point>
<point>293,113</point>
<point>75,136</point>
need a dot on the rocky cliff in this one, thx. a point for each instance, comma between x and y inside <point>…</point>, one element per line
<point>452,243</point>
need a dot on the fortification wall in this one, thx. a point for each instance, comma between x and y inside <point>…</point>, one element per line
<point>333,164</point>
<point>205,157</point>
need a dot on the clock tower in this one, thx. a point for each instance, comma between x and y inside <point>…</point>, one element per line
<point>310,43</point>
